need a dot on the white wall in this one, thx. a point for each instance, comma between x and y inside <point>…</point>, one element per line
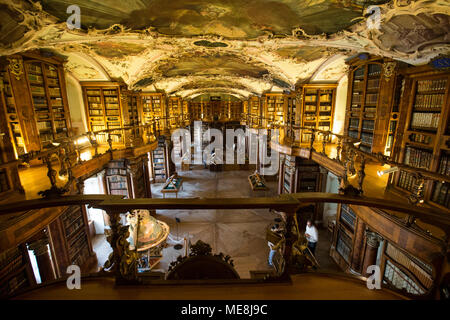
<point>76,105</point>
<point>339,109</point>
<point>94,185</point>
<point>329,209</point>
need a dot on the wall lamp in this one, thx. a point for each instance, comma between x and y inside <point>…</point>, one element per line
<point>383,172</point>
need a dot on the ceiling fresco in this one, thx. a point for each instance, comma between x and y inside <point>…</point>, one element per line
<point>232,19</point>
<point>245,47</point>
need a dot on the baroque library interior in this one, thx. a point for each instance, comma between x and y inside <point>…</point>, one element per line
<point>288,149</point>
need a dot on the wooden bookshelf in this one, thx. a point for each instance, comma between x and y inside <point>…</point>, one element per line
<point>12,116</point>
<point>153,108</point>
<point>117,178</point>
<point>255,108</point>
<point>274,108</point>
<point>104,109</point>
<point>174,111</point>
<point>15,271</point>
<point>372,83</point>
<point>195,110</point>
<point>35,101</point>
<point>424,133</point>
<point>162,166</point>
<point>317,109</point>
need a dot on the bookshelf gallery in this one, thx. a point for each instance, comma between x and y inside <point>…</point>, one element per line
<point>34,101</point>
<point>426,132</point>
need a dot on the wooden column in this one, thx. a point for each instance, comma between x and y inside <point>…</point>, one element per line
<point>43,260</point>
<point>358,247</point>
<point>370,257</point>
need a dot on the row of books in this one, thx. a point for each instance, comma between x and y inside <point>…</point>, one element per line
<point>356,98</point>
<point>368,124</point>
<point>51,72</point>
<point>431,85</point>
<point>13,284</point>
<point>93,92</point>
<point>111,99</point>
<point>441,194</point>
<point>37,89</point>
<point>367,138</point>
<point>54,91</point>
<point>110,93</point>
<point>429,101</point>
<point>358,85</point>
<point>111,171</point>
<point>420,138</point>
<point>348,216</point>
<point>406,181</point>
<point>418,158</point>
<point>60,124</point>
<point>7,256</point>
<point>354,123</point>
<point>412,264</point>
<point>95,112</point>
<point>373,84</point>
<point>70,215</point>
<point>52,82</point>
<point>444,164</point>
<point>112,112</point>
<point>35,78</point>
<point>374,70</point>
<point>77,243</point>
<point>353,134</point>
<point>44,125</point>
<point>425,120</point>
<point>74,227</point>
<point>310,98</point>
<point>39,101</point>
<point>34,68</point>
<point>94,99</point>
<point>371,98</point>
<point>325,108</point>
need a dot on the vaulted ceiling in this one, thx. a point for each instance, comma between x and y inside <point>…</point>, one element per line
<point>240,47</point>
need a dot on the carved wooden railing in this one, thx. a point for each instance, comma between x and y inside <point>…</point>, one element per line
<point>348,155</point>
<point>122,262</point>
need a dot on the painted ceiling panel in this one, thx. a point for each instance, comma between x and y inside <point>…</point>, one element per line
<point>243,46</point>
<point>231,19</point>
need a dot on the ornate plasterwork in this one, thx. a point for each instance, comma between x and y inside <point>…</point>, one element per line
<point>142,57</point>
<point>16,67</point>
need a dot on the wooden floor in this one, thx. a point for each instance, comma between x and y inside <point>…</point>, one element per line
<point>304,287</point>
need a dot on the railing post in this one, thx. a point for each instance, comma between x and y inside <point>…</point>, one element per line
<point>93,142</point>
<point>338,149</point>
<point>313,138</point>
<point>361,174</point>
<point>122,261</point>
<point>110,142</point>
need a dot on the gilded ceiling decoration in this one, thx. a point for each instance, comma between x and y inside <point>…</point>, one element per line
<point>249,46</point>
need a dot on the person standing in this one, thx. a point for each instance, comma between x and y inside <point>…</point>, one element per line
<point>312,235</point>
<point>275,239</point>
